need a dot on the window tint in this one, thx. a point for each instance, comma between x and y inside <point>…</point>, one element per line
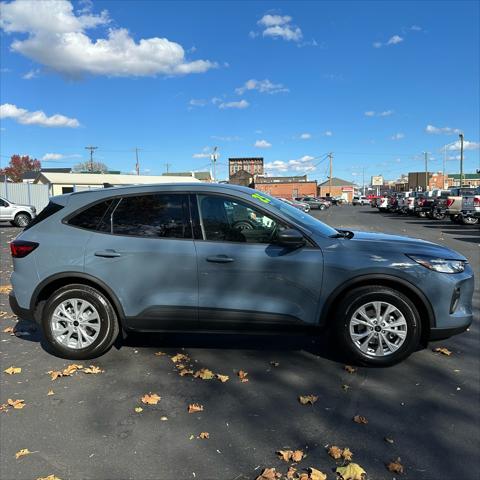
<point>164,216</point>
<point>91,218</point>
<point>48,211</point>
<point>228,220</point>
<point>3,203</point>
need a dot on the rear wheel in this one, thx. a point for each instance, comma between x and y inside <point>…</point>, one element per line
<point>79,322</point>
<point>377,326</point>
<point>22,219</point>
<point>469,220</point>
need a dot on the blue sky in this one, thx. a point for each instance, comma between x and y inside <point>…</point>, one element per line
<point>376,83</point>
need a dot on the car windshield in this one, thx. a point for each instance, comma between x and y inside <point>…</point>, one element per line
<point>299,216</point>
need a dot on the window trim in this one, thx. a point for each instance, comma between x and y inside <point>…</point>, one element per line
<point>118,199</point>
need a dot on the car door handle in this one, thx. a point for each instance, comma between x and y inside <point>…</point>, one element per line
<point>220,259</point>
<point>107,253</point>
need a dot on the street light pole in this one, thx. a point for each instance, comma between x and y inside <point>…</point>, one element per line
<point>426,170</point>
<point>461,159</point>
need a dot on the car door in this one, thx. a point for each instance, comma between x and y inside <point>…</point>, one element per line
<point>246,280</point>
<point>144,251</point>
<point>6,210</point>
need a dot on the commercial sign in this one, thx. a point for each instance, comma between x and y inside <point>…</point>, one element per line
<point>377,181</point>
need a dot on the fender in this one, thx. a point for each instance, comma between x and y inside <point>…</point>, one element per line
<point>370,279</point>
<point>79,276</point>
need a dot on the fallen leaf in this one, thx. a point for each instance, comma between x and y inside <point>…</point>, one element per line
<point>350,369</point>
<point>50,393</point>
<point>290,455</point>
<point>360,419</point>
<point>179,357</point>
<point>269,474</point>
<point>291,473</point>
<point>204,374</point>
<point>50,477</point>
<point>138,409</point>
<point>346,387</point>
<point>195,407</point>
<point>71,369</point>
<point>204,435</point>
<point>22,453</point>
<point>5,288</point>
<point>159,354</point>
<point>16,404</point>
<point>8,330</point>
<point>150,399</point>
<point>54,374</point>
<point>3,407</point>
<point>191,437</point>
<point>163,419</point>
<point>335,452</point>
<point>185,371</point>
<point>315,474</point>
<point>347,454</point>
<point>352,471</point>
<point>13,370</point>
<point>443,351</point>
<point>242,375</point>
<point>307,399</point>
<point>223,378</point>
<point>395,466</point>
<point>92,369</point>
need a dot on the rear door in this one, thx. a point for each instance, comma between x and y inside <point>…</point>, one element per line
<point>144,251</point>
<point>245,279</point>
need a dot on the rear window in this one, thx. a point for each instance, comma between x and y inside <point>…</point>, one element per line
<point>92,217</point>
<point>48,211</point>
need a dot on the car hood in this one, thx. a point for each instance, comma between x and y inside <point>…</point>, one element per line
<point>403,244</point>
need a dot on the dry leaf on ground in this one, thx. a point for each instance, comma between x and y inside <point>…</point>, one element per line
<point>22,453</point>
<point>204,435</point>
<point>223,378</point>
<point>347,454</point>
<point>16,404</point>
<point>335,452</point>
<point>8,330</point>
<point>138,409</point>
<point>159,354</point>
<point>360,419</point>
<point>291,473</point>
<point>242,375</point>
<point>204,374</point>
<point>290,455</point>
<point>307,399</point>
<point>350,369</point>
<point>395,466</point>
<point>352,471</point>
<point>150,399</point>
<point>50,477</point>
<point>50,393</point>
<point>92,369</point>
<point>195,407</point>
<point>269,474</point>
<point>5,289</point>
<point>71,369</point>
<point>185,371</point>
<point>13,370</point>
<point>180,357</point>
<point>316,474</point>
<point>443,351</point>
<point>54,374</point>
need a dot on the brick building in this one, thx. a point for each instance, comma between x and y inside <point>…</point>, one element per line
<point>287,187</point>
<point>469,180</point>
<point>252,165</point>
<point>337,188</point>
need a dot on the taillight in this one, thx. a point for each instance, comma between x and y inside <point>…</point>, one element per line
<point>20,248</point>
<point>476,201</point>
<point>421,202</point>
<point>450,202</point>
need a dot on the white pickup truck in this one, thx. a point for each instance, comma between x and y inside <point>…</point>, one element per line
<point>470,212</point>
<point>454,206</point>
<point>18,215</point>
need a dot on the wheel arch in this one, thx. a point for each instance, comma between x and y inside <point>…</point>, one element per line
<point>49,285</point>
<point>423,305</point>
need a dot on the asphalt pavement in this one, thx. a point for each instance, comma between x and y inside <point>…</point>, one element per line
<point>427,407</point>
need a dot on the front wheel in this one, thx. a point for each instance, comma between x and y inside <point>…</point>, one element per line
<point>469,220</point>
<point>22,219</point>
<point>377,326</point>
<point>79,322</point>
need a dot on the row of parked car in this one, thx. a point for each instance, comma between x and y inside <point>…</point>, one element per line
<point>311,203</point>
<point>461,205</point>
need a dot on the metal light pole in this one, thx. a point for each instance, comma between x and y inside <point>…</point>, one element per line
<point>461,159</point>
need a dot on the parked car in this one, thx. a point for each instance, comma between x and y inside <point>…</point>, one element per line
<point>425,203</point>
<point>451,205</point>
<point>328,200</point>
<point>18,215</point>
<point>360,200</point>
<point>175,257</point>
<point>305,207</point>
<point>470,211</point>
<point>315,203</point>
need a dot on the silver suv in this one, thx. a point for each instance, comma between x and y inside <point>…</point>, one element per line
<point>18,215</point>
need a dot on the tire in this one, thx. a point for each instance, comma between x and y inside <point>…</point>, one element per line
<point>438,215</point>
<point>322,207</point>
<point>422,214</point>
<point>107,325</point>
<point>22,220</point>
<point>404,312</point>
<point>469,220</point>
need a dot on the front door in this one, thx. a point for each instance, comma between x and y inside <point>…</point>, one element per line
<point>145,253</point>
<point>6,210</point>
<point>245,278</point>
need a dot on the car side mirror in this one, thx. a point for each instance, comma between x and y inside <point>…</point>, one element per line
<point>290,238</point>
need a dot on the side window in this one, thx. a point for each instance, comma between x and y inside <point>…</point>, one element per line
<point>92,217</point>
<point>3,203</point>
<point>224,219</point>
<point>158,216</point>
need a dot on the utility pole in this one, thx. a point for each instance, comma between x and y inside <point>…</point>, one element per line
<point>330,157</point>
<point>461,159</point>
<point>137,163</point>
<point>167,166</point>
<point>445,182</point>
<point>214,158</point>
<point>92,149</point>
<point>363,180</point>
<point>426,170</point>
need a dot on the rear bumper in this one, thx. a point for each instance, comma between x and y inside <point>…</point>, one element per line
<point>23,313</point>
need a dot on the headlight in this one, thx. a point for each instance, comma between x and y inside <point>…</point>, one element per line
<point>441,265</point>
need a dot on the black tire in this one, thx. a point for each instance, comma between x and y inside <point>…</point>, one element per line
<point>469,220</point>
<point>109,327</point>
<point>363,295</point>
<point>422,214</point>
<point>22,219</point>
<point>322,207</point>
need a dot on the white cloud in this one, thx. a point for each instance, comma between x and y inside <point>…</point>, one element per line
<point>278,26</point>
<point>328,133</point>
<point>233,138</point>
<point>416,28</point>
<point>31,74</point>
<point>398,136</point>
<point>197,102</point>
<point>298,165</point>
<point>56,38</point>
<point>53,156</point>
<point>23,116</point>
<point>305,136</point>
<point>395,40</point>
<point>262,144</point>
<point>466,145</point>
<point>240,105</point>
<point>442,130</point>
<point>201,155</point>
<point>377,44</point>
<point>263,86</point>
<point>385,113</point>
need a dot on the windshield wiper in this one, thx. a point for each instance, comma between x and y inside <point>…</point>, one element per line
<point>342,234</point>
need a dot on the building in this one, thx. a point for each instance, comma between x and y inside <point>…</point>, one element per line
<point>243,178</point>
<point>60,183</point>
<point>202,176</point>
<point>29,177</point>
<point>337,188</point>
<point>287,187</point>
<point>469,180</point>
<point>252,165</point>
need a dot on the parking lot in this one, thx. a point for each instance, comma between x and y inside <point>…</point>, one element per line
<point>423,411</point>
